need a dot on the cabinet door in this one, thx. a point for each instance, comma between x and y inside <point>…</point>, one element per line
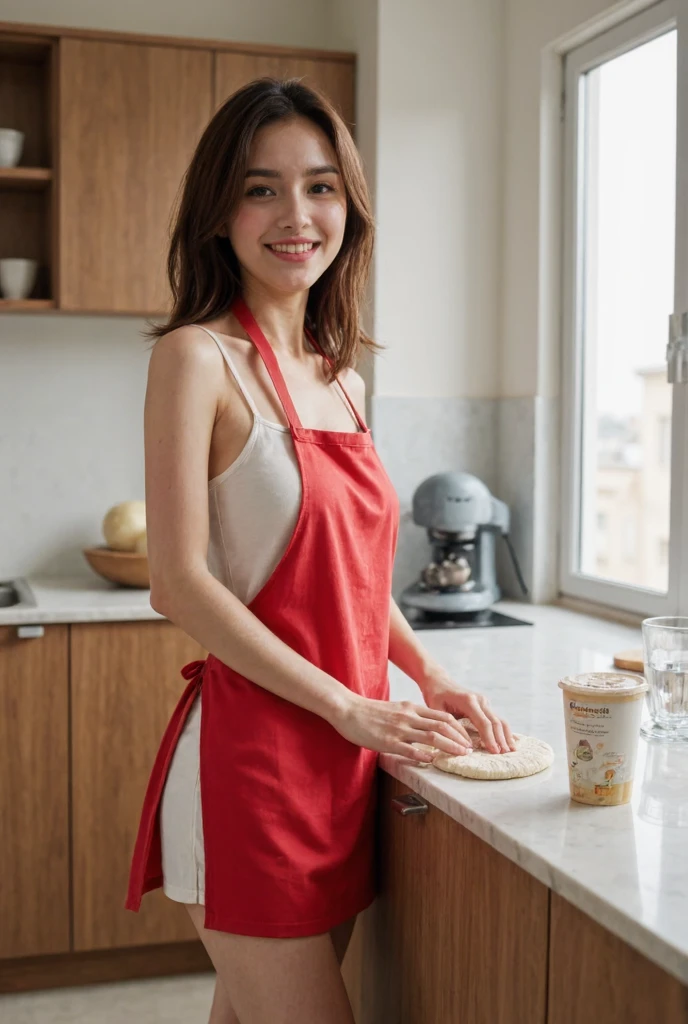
<point>34,793</point>
<point>130,117</point>
<point>594,974</point>
<point>458,933</point>
<point>333,77</point>
<point>125,684</point>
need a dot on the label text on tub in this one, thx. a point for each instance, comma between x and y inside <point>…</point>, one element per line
<point>600,710</point>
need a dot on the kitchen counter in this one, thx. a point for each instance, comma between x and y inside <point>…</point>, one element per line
<point>626,867</point>
<point>79,599</point>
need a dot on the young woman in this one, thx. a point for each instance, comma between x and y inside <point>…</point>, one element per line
<point>272,528</point>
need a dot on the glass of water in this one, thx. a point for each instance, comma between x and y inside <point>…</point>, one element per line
<point>665,650</point>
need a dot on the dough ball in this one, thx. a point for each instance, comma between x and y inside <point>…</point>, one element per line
<point>141,545</point>
<point>530,757</point>
<point>123,524</point>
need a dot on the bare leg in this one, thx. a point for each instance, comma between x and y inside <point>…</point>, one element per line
<point>305,981</point>
<point>222,1011</point>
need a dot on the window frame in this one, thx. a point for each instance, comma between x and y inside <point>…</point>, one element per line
<point>641,28</point>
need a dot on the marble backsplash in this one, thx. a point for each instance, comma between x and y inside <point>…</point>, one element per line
<point>510,443</point>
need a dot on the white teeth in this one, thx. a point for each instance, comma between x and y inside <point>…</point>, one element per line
<point>303,247</point>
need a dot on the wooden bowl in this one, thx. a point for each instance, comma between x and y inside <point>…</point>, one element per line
<point>126,567</point>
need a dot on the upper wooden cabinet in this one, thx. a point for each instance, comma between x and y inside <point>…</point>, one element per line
<point>111,121</point>
<point>130,117</point>
<point>333,77</point>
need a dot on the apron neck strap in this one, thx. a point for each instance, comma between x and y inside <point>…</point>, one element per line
<point>250,325</point>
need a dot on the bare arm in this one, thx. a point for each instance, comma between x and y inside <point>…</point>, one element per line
<point>182,401</point>
<point>407,652</point>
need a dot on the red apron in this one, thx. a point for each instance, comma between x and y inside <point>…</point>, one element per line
<point>288,804</point>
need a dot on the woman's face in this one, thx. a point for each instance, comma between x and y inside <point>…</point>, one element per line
<point>293,199</point>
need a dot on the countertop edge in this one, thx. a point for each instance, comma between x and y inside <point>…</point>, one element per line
<point>47,617</point>
<point>642,939</point>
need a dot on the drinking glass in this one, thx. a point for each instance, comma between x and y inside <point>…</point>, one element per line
<point>665,650</point>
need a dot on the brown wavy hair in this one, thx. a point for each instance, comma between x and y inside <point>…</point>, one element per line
<point>202,268</point>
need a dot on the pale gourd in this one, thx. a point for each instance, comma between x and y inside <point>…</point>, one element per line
<point>141,546</point>
<point>124,524</point>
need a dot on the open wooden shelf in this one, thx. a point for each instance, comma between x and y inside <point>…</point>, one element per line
<point>25,305</point>
<point>25,177</point>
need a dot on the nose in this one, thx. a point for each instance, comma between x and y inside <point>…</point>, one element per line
<point>294,215</point>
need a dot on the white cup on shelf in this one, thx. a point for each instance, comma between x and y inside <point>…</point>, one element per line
<point>11,146</point>
<point>17,277</point>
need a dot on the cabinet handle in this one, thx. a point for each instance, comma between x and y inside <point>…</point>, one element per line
<point>30,632</point>
<point>409,804</point>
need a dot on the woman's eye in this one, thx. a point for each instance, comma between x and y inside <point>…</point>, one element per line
<point>259,190</point>
<point>323,184</point>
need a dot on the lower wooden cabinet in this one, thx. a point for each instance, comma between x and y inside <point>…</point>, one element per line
<point>458,934</point>
<point>594,974</point>
<point>125,683</point>
<point>34,793</point>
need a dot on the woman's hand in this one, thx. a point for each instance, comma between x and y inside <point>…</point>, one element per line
<point>393,726</point>
<point>444,694</point>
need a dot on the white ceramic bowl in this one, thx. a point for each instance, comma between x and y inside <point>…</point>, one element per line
<point>17,277</point>
<point>11,145</point>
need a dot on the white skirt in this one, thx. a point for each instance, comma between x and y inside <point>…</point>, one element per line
<point>181,822</point>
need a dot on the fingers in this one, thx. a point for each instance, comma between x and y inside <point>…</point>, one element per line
<point>495,733</point>
<point>447,744</point>
<point>442,718</point>
<point>444,722</point>
<point>509,735</point>
<point>477,713</point>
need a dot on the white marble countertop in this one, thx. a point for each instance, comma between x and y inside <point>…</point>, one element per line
<point>626,867</point>
<point>79,599</point>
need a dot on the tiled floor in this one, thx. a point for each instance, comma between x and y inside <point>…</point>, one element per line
<point>179,1000</point>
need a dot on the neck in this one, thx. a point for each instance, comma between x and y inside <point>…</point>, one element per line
<point>281,317</point>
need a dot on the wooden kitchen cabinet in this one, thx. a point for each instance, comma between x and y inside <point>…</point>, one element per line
<point>34,793</point>
<point>595,975</point>
<point>130,116</point>
<point>458,933</point>
<point>125,681</point>
<point>111,122</point>
<point>333,77</point>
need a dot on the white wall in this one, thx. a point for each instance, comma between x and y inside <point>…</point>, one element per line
<point>438,187</point>
<point>354,24</point>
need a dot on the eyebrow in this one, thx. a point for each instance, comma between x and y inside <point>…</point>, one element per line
<point>266,172</point>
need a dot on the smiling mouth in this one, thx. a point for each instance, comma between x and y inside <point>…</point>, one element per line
<point>295,248</point>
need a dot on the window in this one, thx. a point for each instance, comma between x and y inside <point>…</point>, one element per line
<point>623,484</point>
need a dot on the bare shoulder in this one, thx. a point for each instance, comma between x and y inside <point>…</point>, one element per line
<point>186,364</point>
<point>188,348</point>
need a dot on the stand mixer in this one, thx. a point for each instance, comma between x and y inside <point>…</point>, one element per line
<point>462,520</point>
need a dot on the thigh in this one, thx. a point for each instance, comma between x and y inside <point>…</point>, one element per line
<point>341,936</point>
<point>277,981</point>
